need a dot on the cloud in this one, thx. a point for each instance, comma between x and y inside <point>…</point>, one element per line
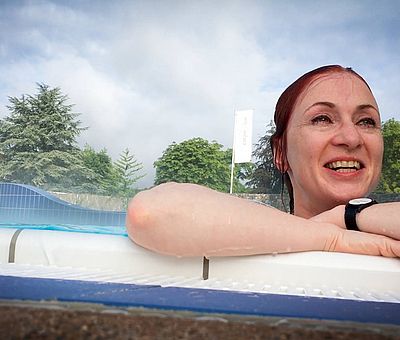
<point>145,74</point>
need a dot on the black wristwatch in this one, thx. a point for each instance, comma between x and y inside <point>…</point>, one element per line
<point>353,208</point>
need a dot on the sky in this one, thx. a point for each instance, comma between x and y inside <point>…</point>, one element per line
<point>144,74</point>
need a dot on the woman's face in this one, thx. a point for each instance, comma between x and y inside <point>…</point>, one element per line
<point>334,143</point>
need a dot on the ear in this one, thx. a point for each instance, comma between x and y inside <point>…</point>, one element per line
<point>280,160</point>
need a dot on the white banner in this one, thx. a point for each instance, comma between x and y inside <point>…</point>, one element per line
<point>242,140</point>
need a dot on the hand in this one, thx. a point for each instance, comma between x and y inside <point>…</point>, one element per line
<point>372,242</point>
<point>348,241</point>
<point>379,219</point>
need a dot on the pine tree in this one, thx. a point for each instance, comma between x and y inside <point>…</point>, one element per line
<point>128,169</point>
<point>38,141</point>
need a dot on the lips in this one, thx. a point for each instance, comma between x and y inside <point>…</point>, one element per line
<point>343,166</point>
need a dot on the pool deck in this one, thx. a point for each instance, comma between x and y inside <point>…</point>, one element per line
<point>55,320</point>
<point>49,308</point>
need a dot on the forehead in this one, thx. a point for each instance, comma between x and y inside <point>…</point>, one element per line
<point>338,88</point>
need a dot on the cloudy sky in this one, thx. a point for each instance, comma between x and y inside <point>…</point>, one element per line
<point>146,73</point>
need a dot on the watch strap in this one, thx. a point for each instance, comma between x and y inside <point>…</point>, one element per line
<point>351,211</point>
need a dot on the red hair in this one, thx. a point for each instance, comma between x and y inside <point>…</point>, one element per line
<point>283,111</point>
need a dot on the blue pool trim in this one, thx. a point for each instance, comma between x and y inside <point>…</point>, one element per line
<point>198,300</point>
<point>86,229</point>
<point>25,204</point>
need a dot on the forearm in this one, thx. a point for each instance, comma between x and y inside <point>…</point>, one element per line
<point>190,220</point>
<point>383,219</point>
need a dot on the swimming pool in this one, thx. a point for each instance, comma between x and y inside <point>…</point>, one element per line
<point>27,205</point>
<point>90,229</point>
<point>94,261</point>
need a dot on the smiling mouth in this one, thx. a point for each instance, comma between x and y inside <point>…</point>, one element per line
<point>344,166</point>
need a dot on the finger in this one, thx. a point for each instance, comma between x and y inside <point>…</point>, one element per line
<point>367,244</point>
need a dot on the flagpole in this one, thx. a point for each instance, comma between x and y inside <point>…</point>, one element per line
<point>232,166</point>
<point>233,153</point>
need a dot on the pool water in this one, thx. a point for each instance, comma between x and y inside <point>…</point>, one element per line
<point>91,229</point>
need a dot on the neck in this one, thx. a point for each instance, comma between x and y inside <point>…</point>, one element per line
<point>301,211</point>
<point>303,207</point>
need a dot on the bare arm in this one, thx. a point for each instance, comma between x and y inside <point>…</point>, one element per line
<point>191,220</point>
<point>381,219</point>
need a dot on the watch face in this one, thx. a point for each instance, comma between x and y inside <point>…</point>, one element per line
<point>359,201</point>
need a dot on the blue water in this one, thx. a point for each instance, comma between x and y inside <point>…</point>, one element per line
<point>91,229</point>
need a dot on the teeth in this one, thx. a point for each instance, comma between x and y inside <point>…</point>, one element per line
<point>346,170</point>
<point>344,165</point>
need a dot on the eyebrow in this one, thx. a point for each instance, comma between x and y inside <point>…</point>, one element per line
<point>331,105</point>
<point>367,106</point>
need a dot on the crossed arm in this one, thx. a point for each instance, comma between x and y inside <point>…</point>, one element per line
<point>191,220</point>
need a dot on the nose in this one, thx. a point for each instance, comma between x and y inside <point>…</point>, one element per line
<point>348,135</point>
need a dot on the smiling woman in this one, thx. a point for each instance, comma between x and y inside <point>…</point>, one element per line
<point>334,141</point>
<point>328,145</point>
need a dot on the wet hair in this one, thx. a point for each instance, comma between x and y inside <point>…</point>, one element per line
<point>283,111</point>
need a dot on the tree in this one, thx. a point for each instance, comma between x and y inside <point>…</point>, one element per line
<point>105,174</point>
<point>390,179</point>
<point>265,178</point>
<point>128,173</point>
<point>38,141</point>
<point>197,161</point>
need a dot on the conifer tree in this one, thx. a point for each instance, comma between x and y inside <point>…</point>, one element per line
<point>128,169</point>
<point>38,141</point>
<point>265,178</point>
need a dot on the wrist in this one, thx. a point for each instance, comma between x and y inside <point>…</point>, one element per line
<point>333,237</point>
<point>353,210</point>
<point>362,217</point>
<point>340,210</point>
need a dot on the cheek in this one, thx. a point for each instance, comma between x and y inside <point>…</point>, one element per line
<point>378,152</point>
<point>300,152</point>
<point>381,148</point>
<point>303,148</point>
<point>377,157</point>
<point>375,146</point>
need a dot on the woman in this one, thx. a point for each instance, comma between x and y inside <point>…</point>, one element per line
<point>328,145</point>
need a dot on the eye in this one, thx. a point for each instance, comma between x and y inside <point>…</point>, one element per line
<point>321,120</point>
<point>367,122</point>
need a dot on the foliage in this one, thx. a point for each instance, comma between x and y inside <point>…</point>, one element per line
<point>198,161</point>
<point>241,172</point>
<point>38,141</point>
<point>264,178</point>
<point>105,175</point>
<point>390,179</point>
<point>113,179</point>
<point>128,173</point>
